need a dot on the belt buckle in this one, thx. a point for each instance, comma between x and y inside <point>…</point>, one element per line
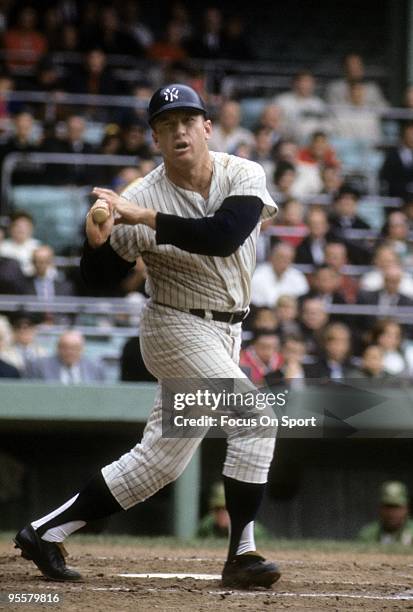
<point>230,320</point>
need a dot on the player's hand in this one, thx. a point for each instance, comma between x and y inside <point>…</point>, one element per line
<point>124,211</point>
<point>98,233</point>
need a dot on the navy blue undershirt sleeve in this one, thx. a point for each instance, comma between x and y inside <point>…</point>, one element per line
<point>102,268</point>
<point>218,236</point>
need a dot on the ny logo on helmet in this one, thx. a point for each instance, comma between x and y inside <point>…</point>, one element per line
<point>171,94</point>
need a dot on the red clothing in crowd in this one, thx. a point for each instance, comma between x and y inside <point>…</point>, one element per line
<point>330,158</point>
<point>255,368</point>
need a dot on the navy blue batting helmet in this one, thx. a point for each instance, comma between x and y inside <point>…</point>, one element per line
<point>175,96</point>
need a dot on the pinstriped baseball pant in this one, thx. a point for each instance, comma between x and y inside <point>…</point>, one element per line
<point>180,345</point>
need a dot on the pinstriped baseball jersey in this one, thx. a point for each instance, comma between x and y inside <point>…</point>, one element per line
<point>185,280</point>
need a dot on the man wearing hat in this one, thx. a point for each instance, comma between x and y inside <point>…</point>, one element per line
<point>394,525</point>
<point>194,220</point>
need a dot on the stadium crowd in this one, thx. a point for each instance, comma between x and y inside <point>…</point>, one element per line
<point>324,253</point>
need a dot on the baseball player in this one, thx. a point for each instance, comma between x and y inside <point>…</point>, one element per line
<point>195,221</point>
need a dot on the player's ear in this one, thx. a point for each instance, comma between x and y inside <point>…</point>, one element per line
<point>208,128</point>
<point>154,137</point>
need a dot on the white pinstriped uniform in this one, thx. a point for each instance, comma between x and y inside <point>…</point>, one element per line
<point>176,344</point>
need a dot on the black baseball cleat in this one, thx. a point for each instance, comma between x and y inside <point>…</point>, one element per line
<point>48,556</point>
<point>249,570</point>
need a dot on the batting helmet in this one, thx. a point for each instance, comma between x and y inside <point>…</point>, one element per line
<point>172,97</point>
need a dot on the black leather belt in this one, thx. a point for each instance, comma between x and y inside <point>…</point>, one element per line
<point>216,315</point>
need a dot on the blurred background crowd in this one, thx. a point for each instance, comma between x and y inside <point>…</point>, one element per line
<point>332,127</point>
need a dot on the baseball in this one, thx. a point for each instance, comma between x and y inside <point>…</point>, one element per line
<point>100,214</point>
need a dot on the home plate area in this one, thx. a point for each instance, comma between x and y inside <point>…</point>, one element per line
<point>126,577</point>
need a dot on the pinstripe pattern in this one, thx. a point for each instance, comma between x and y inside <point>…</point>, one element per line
<point>176,344</point>
<point>182,279</point>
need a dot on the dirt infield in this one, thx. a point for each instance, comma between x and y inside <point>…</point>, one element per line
<point>312,579</point>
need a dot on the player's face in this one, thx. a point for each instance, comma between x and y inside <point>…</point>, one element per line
<point>181,135</point>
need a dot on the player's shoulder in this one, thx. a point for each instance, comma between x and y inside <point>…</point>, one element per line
<point>234,164</point>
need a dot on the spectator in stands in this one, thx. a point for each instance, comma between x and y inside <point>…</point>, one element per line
<point>24,346</point>
<point>357,120</point>
<point>24,44</point>
<point>125,177</point>
<point>332,181</point>
<point>262,151</point>
<point>270,118</point>
<point>307,180</point>
<point>286,311</point>
<point>313,319</point>
<point>93,77</point>
<point>69,39</point>
<point>335,350</point>
<point>393,525</point>
<point>396,173</point>
<point>336,258</point>
<point>228,133</point>
<point>264,319</point>
<point>396,234</point>
<point>112,37</point>
<point>372,363</point>
<point>6,86</point>
<point>209,42</point>
<point>302,111</point>
<point>111,143</point>
<point>344,219</point>
<point>22,141</point>
<point>277,277</point>
<point>134,140</point>
<point>235,42</point>
<point>387,297</point>
<point>170,48</point>
<point>132,366</point>
<point>388,334</point>
<point>48,77</point>
<point>68,365</point>
<point>291,371</point>
<point>284,178</point>
<point>131,22</point>
<point>20,245</point>
<point>319,152</point>
<point>46,282</point>
<point>325,285</point>
<point>12,279</point>
<point>75,138</point>
<point>6,341</point>
<point>385,257</point>
<point>261,357</point>
<point>338,91</point>
<point>291,219</point>
<point>312,248</point>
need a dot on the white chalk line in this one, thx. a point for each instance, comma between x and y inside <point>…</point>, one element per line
<point>179,576</point>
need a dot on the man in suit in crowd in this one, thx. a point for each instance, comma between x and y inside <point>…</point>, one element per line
<point>333,362</point>
<point>396,174</point>
<point>46,282</point>
<point>311,249</point>
<point>12,279</point>
<point>68,365</point>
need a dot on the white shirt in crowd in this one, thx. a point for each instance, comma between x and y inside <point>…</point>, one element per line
<point>373,281</point>
<point>266,287</point>
<point>21,252</point>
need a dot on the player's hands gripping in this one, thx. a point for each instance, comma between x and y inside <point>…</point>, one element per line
<point>98,233</point>
<point>124,211</point>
